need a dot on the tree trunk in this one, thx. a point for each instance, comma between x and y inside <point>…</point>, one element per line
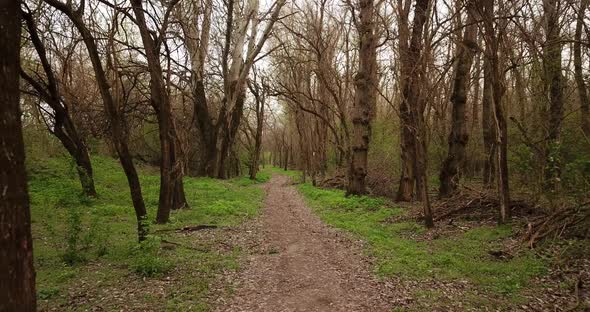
<point>286,164</point>
<point>161,102</point>
<point>207,130</point>
<point>118,134</point>
<point>497,85</point>
<point>260,100</point>
<point>579,75</point>
<point>135,189</point>
<point>459,136</point>
<point>476,91</point>
<point>488,126</point>
<point>229,131</point>
<point>364,100</point>
<point>410,107</point>
<point>179,200</point>
<point>17,274</point>
<point>553,85</point>
<point>63,127</point>
<point>414,155</point>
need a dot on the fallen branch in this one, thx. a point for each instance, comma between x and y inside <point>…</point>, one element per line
<point>558,223</point>
<point>189,228</point>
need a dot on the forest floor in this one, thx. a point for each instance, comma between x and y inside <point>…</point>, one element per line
<point>86,253</point>
<point>313,249</point>
<point>280,245</point>
<point>301,264</point>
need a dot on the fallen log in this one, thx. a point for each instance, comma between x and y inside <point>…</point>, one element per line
<point>189,228</point>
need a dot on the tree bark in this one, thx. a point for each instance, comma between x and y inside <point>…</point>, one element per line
<point>553,84</point>
<point>260,100</point>
<point>414,155</point>
<point>578,72</point>
<point>410,106</point>
<point>364,100</point>
<point>488,126</point>
<point>497,90</point>
<point>459,136</point>
<point>197,42</point>
<point>17,274</point>
<point>179,198</point>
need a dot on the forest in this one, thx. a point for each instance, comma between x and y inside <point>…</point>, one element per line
<point>294,155</point>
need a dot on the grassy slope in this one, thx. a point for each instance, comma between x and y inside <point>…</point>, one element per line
<point>87,247</point>
<point>457,258</point>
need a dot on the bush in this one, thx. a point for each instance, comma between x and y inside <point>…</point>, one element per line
<point>147,260</point>
<point>576,175</point>
<point>72,255</point>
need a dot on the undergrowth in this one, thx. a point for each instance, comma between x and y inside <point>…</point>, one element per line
<point>88,246</point>
<point>462,257</point>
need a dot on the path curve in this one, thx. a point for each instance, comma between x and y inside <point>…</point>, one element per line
<point>306,265</point>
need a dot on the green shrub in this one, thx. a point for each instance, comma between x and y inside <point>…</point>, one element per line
<point>460,257</point>
<point>147,260</point>
<point>72,255</point>
<point>576,175</point>
<point>522,161</point>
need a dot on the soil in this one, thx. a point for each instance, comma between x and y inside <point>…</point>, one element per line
<point>301,264</point>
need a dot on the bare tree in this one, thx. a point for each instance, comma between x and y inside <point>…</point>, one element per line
<point>218,131</point>
<point>493,34</point>
<point>63,126</point>
<point>411,108</point>
<point>118,134</point>
<point>170,171</point>
<point>260,92</point>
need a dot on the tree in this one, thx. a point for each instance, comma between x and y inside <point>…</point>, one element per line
<point>459,136</point>
<point>218,131</point>
<point>170,174</point>
<point>260,91</point>
<point>117,131</point>
<point>552,50</point>
<point>493,34</point>
<point>578,72</point>
<point>411,108</point>
<point>413,134</point>
<point>63,126</point>
<point>17,274</point>
<point>365,98</point>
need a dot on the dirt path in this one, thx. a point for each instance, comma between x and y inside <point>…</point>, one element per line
<point>304,264</point>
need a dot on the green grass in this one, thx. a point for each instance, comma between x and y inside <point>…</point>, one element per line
<point>295,175</point>
<point>87,246</point>
<point>462,257</point>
